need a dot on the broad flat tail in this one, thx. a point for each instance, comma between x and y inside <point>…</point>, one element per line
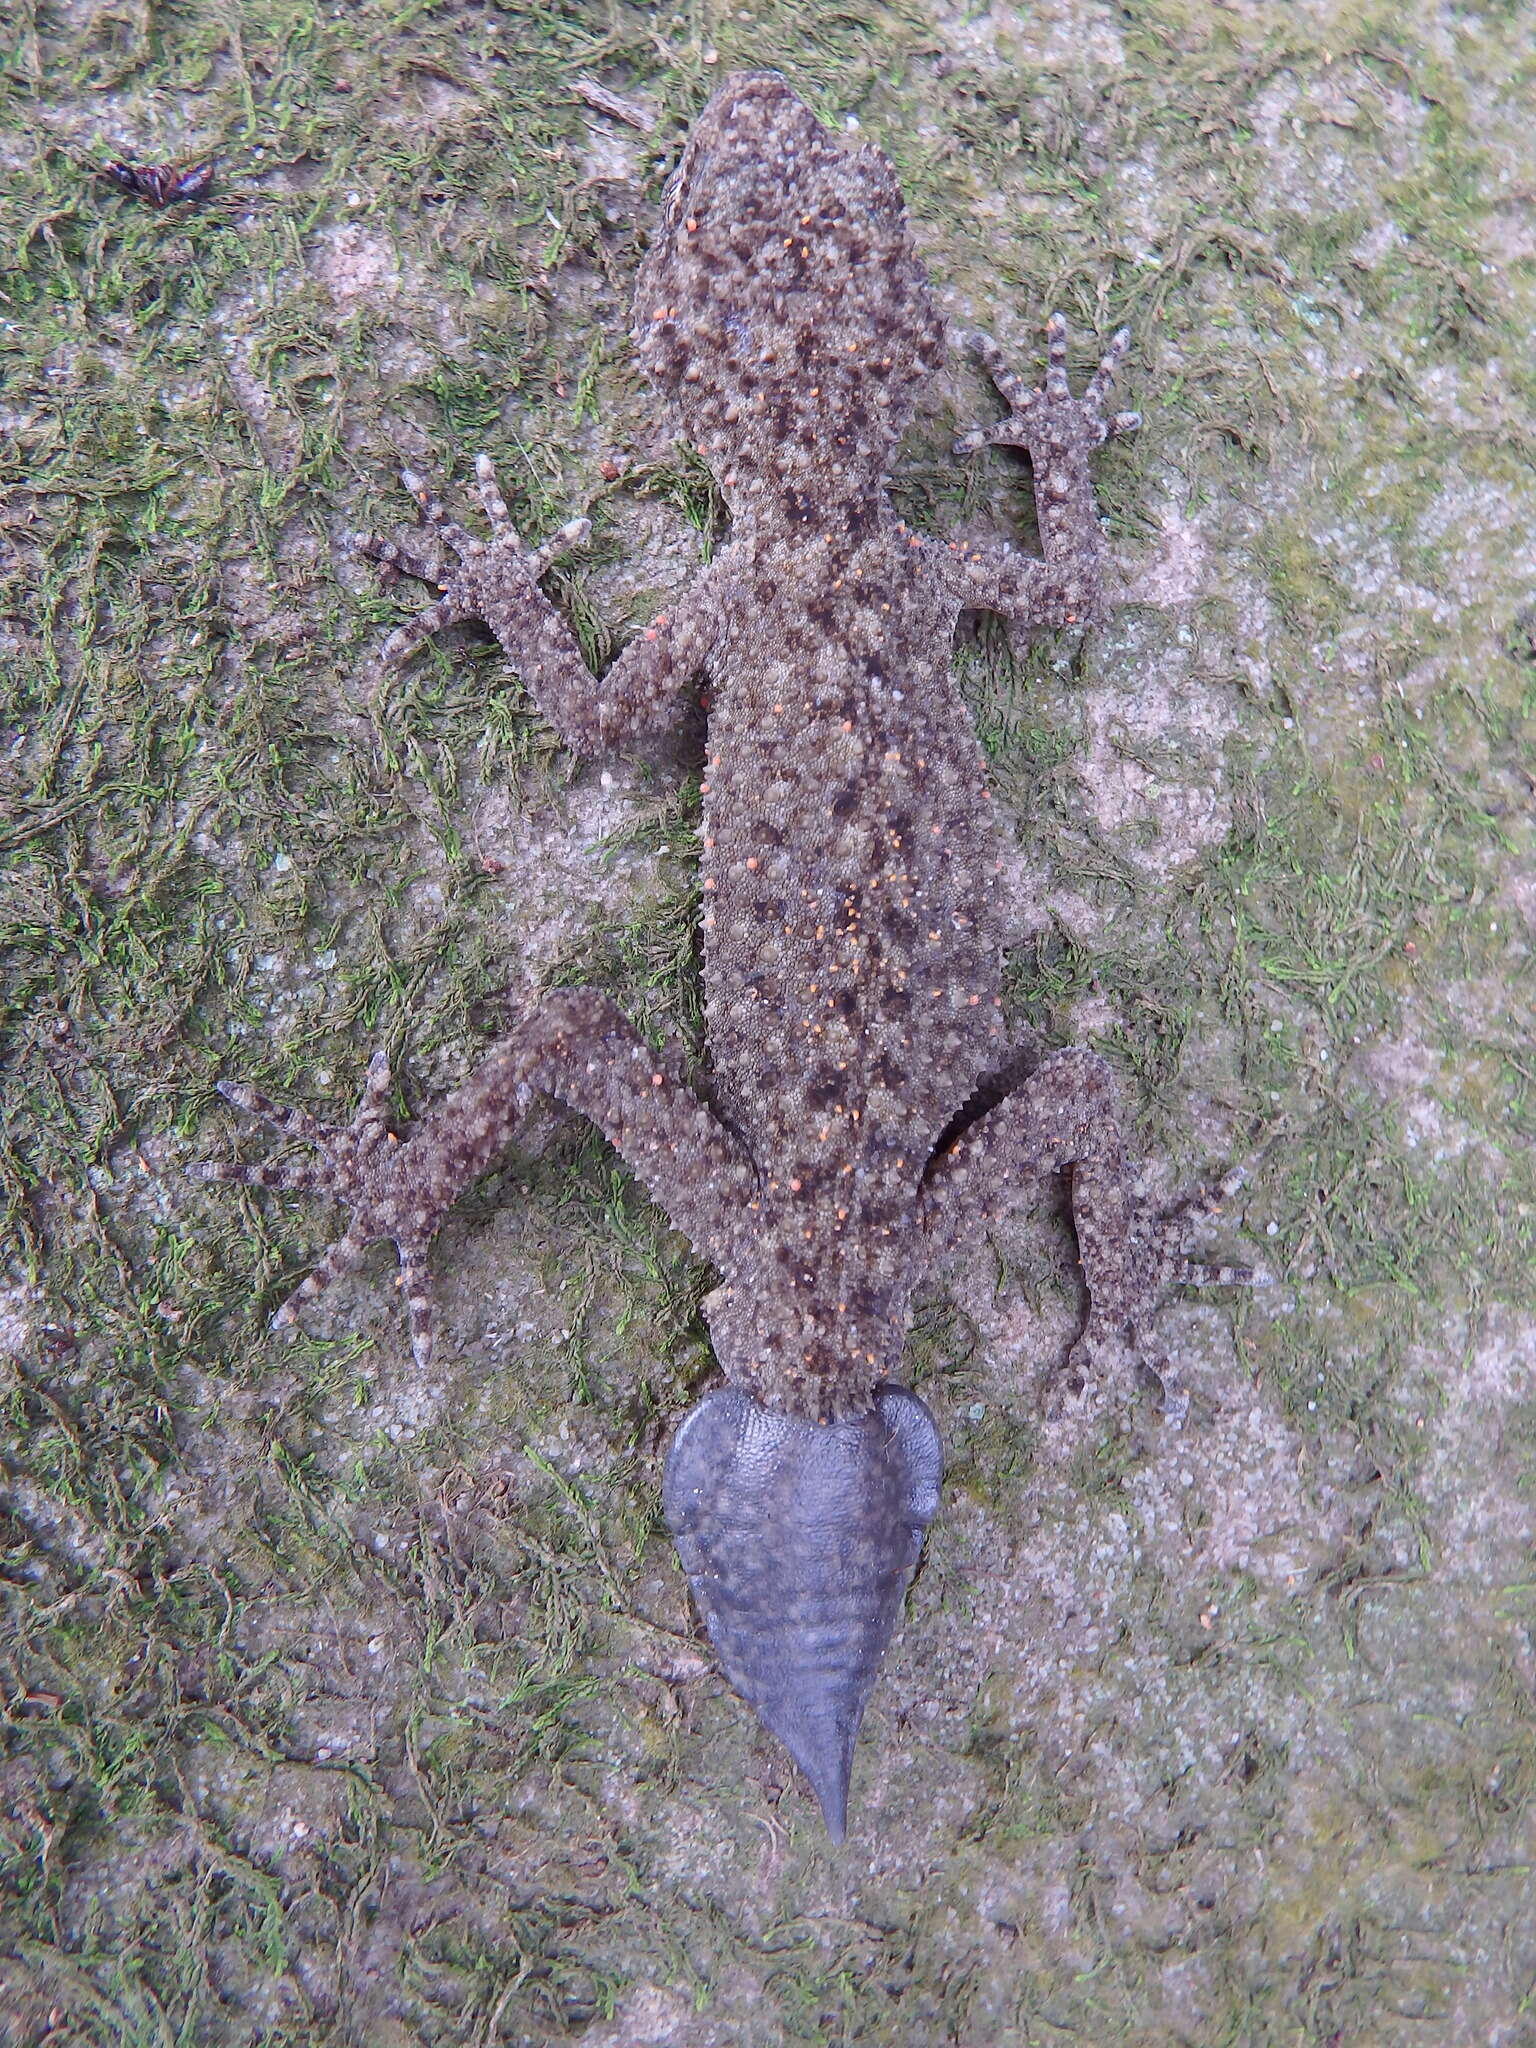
<point>800,1540</point>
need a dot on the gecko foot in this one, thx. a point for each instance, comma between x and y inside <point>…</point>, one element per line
<point>799,1540</point>
<point>367,1169</point>
<point>1176,1221</point>
<point>490,580</point>
<point>1048,416</point>
<point>1153,1261</point>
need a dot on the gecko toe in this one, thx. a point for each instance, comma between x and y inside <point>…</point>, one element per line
<point>799,1540</point>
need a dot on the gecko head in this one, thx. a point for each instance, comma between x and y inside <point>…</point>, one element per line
<point>799,1540</point>
<point>782,305</point>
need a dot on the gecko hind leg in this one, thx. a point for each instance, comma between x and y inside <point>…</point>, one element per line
<point>1064,1118</point>
<point>578,1046</point>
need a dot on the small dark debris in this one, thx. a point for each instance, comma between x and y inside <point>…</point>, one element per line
<point>160,184</point>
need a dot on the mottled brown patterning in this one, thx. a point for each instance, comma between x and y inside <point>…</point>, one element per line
<point>852,931</point>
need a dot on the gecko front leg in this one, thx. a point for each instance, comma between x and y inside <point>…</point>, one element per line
<point>577,1046</point>
<point>497,581</point>
<point>1064,585</point>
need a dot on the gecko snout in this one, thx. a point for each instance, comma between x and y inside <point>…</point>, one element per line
<point>799,1540</point>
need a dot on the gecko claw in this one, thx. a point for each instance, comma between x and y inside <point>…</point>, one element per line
<point>799,1540</point>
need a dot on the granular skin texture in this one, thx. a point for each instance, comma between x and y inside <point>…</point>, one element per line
<point>851,928</point>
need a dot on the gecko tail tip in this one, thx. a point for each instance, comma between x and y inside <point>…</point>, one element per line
<point>820,1737</point>
<point>799,1540</point>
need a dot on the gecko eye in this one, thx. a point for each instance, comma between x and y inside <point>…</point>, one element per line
<point>799,1540</point>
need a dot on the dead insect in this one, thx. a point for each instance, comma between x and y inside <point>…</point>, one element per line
<point>160,184</point>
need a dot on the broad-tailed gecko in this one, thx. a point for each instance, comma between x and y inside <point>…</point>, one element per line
<point>861,1113</point>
